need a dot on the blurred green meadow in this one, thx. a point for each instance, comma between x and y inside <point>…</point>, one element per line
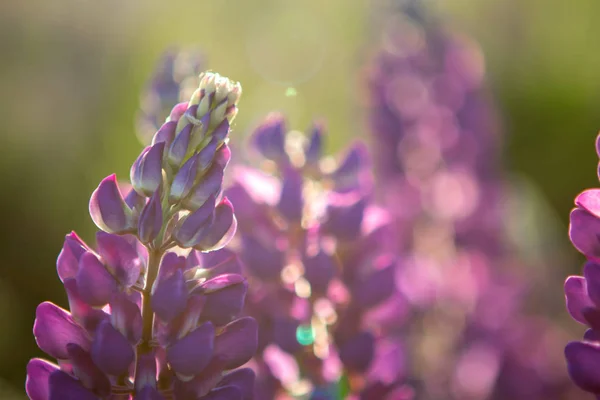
<point>71,73</point>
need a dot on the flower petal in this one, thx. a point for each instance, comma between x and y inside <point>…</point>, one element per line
<point>576,297</point>
<point>54,328</point>
<point>38,374</point>
<point>111,351</point>
<point>191,354</point>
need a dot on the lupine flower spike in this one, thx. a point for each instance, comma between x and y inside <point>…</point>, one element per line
<point>146,321</point>
<point>435,147</point>
<point>311,243</point>
<point>582,293</point>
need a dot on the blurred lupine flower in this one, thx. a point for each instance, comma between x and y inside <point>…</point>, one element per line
<point>148,320</point>
<point>435,147</point>
<point>311,243</point>
<point>583,292</point>
<point>173,81</point>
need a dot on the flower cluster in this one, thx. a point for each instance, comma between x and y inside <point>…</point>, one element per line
<point>583,292</point>
<point>437,172</point>
<point>151,316</point>
<point>312,245</point>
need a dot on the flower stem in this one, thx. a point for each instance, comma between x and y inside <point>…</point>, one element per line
<point>154,257</point>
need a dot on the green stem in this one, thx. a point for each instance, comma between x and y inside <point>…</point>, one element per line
<point>154,257</point>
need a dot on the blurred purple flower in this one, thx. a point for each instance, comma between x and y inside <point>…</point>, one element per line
<point>435,150</point>
<point>306,237</point>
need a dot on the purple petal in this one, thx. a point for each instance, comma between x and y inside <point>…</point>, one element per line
<point>291,201</point>
<point>184,179</point>
<point>269,137</point>
<point>589,200</point>
<point>207,154</point>
<point>263,262</point>
<point>583,362</point>
<point>314,150</point>
<point>67,263</point>
<point>81,311</point>
<point>356,353</point>
<point>95,284</point>
<point>209,185</point>
<point>38,373</point>
<point>108,208</point>
<point>344,220</point>
<point>151,219</point>
<point>195,226</point>
<point>591,336</point>
<point>237,343</point>
<point>166,133</point>
<point>134,200</point>
<point>145,371</point>
<point>351,165</point>
<point>64,387</point>
<point>179,147</point>
<point>220,262</point>
<point>226,303</point>
<point>221,131</point>
<point>319,270</point>
<point>191,354</point>
<point>576,297</point>
<point>146,171</point>
<point>224,393</point>
<point>120,256</point>
<point>170,263</point>
<point>222,229</point>
<point>243,379</point>
<point>591,272</point>
<point>54,328</point>
<point>375,288</point>
<point>88,373</point>
<point>148,393</point>
<point>223,156</point>
<point>111,351</point>
<point>584,231</point>
<point>126,318</point>
<point>170,296</point>
<point>178,110</point>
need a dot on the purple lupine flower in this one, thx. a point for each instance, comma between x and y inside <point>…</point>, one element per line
<point>582,293</point>
<point>435,150</point>
<point>173,81</point>
<point>309,239</point>
<point>147,321</point>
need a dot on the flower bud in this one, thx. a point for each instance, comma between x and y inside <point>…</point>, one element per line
<point>108,208</point>
<point>67,263</point>
<point>192,353</point>
<point>196,225</point>
<point>169,297</point>
<point>184,179</point>
<point>210,185</point>
<point>111,351</point>
<point>222,229</point>
<point>146,171</point>
<point>151,219</point>
<point>179,147</point>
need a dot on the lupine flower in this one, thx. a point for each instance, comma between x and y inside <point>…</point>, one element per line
<point>583,292</point>
<point>310,241</point>
<point>435,147</point>
<point>147,320</point>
